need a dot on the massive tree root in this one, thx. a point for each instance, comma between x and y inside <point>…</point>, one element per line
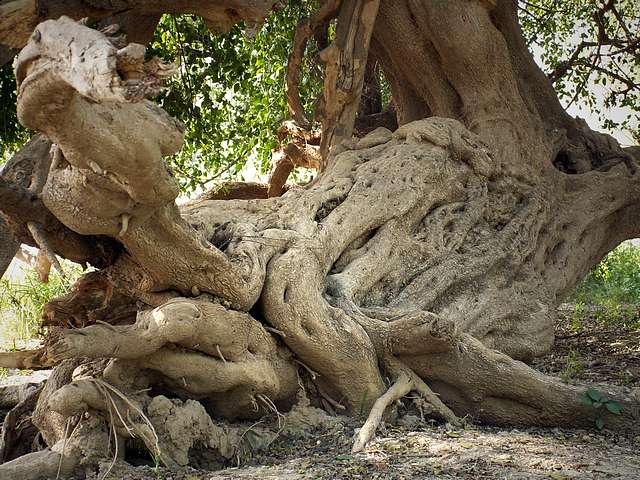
<point>420,257</point>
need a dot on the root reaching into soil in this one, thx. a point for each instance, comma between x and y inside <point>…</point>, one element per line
<point>399,389</point>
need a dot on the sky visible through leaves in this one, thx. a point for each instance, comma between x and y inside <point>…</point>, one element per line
<point>230,88</point>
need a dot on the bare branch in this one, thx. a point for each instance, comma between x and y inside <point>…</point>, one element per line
<point>346,63</point>
<point>306,27</point>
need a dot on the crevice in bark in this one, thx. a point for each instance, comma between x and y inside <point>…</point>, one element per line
<point>563,163</point>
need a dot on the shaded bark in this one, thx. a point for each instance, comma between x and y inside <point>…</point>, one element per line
<point>20,169</point>
<point>8,246</point>
<point>345,66</point>
<point>20,17</point>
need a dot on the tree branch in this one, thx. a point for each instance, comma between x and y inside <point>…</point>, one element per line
<point>346,63</point>
<point>21,207</point>
<point>306,27</point>
<point>18,18</point>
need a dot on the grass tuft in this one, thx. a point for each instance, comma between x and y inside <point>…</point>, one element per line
<point>21,304</point>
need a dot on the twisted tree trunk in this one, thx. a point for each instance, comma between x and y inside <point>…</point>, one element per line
<point>433,256</point>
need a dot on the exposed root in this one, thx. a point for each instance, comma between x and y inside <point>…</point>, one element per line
<point>170,429</point>
<point>222,353</point>
<point>44,464</point>
<point>83,448</point>
<point>405,381</point>
<point>399,389</point>
<point>67,432</point>
<point>12,395</point>
<point>27,359</point>
<point>18,431</point>
<point>325,396</point>
<point>493,388</point>
<point>436,407</point>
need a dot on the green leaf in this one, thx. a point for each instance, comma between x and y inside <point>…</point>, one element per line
<point>594,394</point>
<point>585,400</point>
<point>614,407</point>
<point>344,457</point>
<point>599,423</point>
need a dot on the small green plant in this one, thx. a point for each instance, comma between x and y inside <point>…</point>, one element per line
<point>572,368</point>
<point>594,398</point>
<point>21,303</point>
<point>613,288</point>
<point>578,313</point>
<point>363,402</point>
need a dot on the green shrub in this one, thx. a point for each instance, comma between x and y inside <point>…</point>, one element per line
<point>615,279</point>
<point>21,303</point>
<point>613,287</point>
<point>595,399</point>
<point>572,368</point>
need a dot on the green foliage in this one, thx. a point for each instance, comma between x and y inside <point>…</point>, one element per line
<point>572,368</point>
<point>555,30</point>
<point>594,398</point>
<point>230,89</point>
<point>613,287</point>
<point>577,314</point>
<point>230,92</point>
<point>12,134</point>
<point>21,303</point>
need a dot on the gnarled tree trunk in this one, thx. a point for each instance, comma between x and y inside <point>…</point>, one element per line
<point>434,256</point>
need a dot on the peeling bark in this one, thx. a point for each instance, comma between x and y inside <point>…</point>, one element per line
<point>345,66</point>
<point>306,27</point>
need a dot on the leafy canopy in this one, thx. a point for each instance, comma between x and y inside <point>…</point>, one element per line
<point>230,89</point>
<point>591,51</point>
<point>230,92</point>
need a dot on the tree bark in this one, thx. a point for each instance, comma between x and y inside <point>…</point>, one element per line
<point>8,246</point>
<point>434,255</point>
<point>18,18</point>
<point>29,166</point>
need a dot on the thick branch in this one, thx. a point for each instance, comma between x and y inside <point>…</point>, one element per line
<point>18,18</point>
<point>306,27</point>
<point>346,63</point>
<point>236,191</point>
<point>122,189</point>
<point>20,207</point>
<point>293,155</point>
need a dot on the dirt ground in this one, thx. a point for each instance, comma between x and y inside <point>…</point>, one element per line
<point>414,449</point>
